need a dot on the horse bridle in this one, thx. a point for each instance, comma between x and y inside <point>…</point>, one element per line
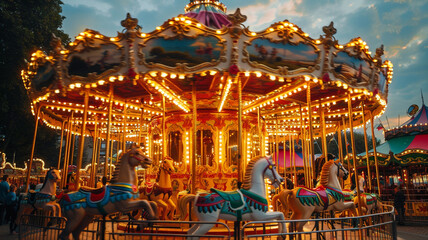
<point>340,167</point>
<point>271,166</point>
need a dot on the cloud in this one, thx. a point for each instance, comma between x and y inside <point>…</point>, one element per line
<point>101,7</point>
<point>260,15</point>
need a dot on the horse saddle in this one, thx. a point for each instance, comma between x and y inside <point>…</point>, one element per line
<point>313,197</point>
<point>235,198</point>
<point>370,198</point>
<point>95,194</point>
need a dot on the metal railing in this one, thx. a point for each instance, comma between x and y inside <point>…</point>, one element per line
<point>380,226</point>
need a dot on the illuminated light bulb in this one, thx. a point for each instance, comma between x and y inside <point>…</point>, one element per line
<point>143,35</point>
<point>253,34</point>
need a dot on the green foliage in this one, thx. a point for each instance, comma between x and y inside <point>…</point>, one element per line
<point>26,25</point>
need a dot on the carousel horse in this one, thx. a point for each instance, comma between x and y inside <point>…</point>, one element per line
<point>161,190</point>
<point>121,195</point>
<point>368,201</point>
<point>247,203</point>
<point>327,196</point>
<point>43,199</point>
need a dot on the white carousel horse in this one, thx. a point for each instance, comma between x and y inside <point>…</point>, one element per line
<point>328,196</point>
<point>248,203</point>
<point>161,191</point>
<point>43,199</point>
<point>121,195</point>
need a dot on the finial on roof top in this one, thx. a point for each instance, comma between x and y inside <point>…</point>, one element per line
<point>329,30</point>
<point>422,96</point>
<point>129,23</point>
<point>237,18</point>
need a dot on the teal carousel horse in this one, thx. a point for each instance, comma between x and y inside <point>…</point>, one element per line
<point>121,195</point>
<point>247,203</point>
<point>45,199</point>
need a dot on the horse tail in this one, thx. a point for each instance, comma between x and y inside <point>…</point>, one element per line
<point>183,203</point>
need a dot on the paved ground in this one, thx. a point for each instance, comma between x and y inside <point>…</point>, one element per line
<point>411,232</point>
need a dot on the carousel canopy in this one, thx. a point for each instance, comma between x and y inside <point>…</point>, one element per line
<point>133,79</point>
<point>406,144</point>
<point>210,13</point>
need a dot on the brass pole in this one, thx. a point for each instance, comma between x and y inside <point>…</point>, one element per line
<point>124,130</point>
<point>294,159</point>
<point>346,140</point>
<point>302,141</point>
<point>339,144</point>
<point>60,145</point>
<point>351,129</point>
<point>163,128</point>
<point>194,111</point>
<point>73,142</point>
<point>311,137</point>
<point>375,153</point>
<point>82,139</point>
<point>369,175</point>
<point>68,147</point>
<point>324,133</point>
<point>110,106</point>
<point>285,162</point>
<point>240,167</point>
<point>262,151</point>
<point>276,142</point>
<point>140,132</point>
<point>30,163</point>
<point>67,140</point>
<point>94,154</point>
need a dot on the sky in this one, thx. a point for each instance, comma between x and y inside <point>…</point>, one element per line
<point>400,25</point>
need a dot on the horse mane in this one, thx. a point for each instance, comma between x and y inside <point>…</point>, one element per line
<point>248,172</point>
<point>325,172</point>
<point>46,178</point>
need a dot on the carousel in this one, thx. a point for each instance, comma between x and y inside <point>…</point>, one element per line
<point>206,92</point>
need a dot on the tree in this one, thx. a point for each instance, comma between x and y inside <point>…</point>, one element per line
<point>26,25</point>
<point>333,144</point>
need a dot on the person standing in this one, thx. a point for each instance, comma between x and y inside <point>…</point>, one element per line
<point>4,189</point>
<point>11,208</point>
<point>399,200</point>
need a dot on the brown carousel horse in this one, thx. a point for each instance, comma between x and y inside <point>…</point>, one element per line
<point>43,199</point>
<point>161,190</point>
<point>327,196</point>
<point>121,195</point>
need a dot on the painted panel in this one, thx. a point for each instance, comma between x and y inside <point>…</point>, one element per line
<point>352,67</point>
<point>275,55</point>
<point>193,51</point>
<point>94,61</point>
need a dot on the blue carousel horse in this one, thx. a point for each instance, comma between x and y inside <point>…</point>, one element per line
<point>121,195</point>
<point>45,199</point>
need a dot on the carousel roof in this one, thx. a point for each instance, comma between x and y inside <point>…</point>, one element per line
<point>282,73</point>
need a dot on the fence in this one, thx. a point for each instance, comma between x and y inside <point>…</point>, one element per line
<point>378,226</point>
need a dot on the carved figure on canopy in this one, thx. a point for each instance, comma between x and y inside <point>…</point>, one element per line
<point>43,199</point>
<point>121,195</point>
<point>247,203</point>
<point>327,196</point>
<point>161,190</point>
